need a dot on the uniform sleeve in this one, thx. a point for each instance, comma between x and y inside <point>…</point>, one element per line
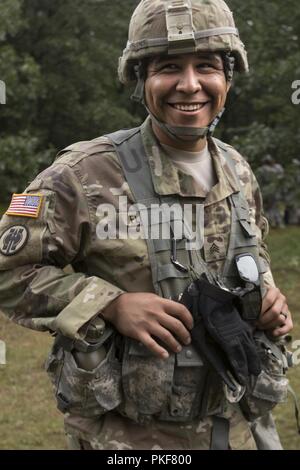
<point>36,290</point>
<point>262,229</point>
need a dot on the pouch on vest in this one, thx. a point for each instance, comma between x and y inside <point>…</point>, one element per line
<point>154,387</point>
<point>264,392</point>
<point>87,393</point>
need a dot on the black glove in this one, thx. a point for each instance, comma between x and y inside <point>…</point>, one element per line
<point>203,342</point>
<point>221,319</point>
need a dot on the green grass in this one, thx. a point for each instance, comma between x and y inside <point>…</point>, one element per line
<point>29,419</point>
<point>284,247</point>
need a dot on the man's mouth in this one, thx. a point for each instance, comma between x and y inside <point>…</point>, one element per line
<point>192,107</point>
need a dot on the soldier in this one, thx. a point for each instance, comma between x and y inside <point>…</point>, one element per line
<point>126,372</point>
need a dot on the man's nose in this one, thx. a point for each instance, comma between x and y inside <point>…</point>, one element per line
<point>189,81</point>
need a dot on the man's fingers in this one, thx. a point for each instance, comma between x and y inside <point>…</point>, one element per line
<point>153,346</point>
<point>269,299</point>
<point>177,328</point>
<point>271,325</point>
<point>273,304</point>
<point>179,311</point>
<point>166,337</point>
<point>165,332</point>
<point>284,329</point>
<point>169,328</point>
<point>273,317</point>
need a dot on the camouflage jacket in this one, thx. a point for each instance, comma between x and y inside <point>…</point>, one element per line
<point>35,289</point>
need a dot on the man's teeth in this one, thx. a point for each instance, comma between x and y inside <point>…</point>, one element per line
<point>188,107</point>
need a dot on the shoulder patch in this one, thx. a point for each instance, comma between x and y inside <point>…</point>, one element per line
<point>13,240</point>
<point>25,205</point>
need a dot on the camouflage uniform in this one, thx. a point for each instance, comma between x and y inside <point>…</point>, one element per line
<point>36,292</point>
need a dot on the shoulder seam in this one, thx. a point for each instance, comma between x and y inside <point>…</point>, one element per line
<point>80,155</point>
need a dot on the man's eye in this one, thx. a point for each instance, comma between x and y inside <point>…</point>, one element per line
<point>206,65</point>
<point>169,67</point>
<point>209,67</point>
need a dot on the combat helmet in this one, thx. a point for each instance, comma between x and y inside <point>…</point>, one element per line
<point>172,27</point>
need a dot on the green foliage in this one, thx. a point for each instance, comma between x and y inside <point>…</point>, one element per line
<point>76,46</point>
<point>10,9</point>
<point>59,61</point>
<point>19,160</point>
<point>261,117</point>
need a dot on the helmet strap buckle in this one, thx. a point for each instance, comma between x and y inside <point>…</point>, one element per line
<point>138,94</point>
<point>215,122</point>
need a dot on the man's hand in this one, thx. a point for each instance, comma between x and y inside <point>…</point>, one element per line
<point>147,317</point>
<point>272,316</point>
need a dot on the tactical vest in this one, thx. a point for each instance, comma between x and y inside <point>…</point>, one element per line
<point>134,382</point>
<point>182,387</point>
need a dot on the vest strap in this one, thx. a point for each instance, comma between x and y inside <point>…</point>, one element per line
<point>130,150</point>
<point>167,271</point>
<point>240,220</point>
<point>220,433</point>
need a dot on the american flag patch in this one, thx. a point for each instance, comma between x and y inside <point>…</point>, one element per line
<point>25,205</point>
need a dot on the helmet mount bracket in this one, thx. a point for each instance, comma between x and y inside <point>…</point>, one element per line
<point>180,27</point>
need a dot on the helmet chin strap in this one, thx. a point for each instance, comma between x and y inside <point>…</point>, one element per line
<point>185,133</point>
<point>179,133</point>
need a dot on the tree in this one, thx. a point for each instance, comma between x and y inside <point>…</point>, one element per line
<point>19,154</point>
<point>262,118</point>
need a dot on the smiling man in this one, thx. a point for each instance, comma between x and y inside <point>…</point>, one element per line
<point>159,345</point>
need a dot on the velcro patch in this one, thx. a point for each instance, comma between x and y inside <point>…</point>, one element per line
<point>13,240</point>
<point>25,205</point>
